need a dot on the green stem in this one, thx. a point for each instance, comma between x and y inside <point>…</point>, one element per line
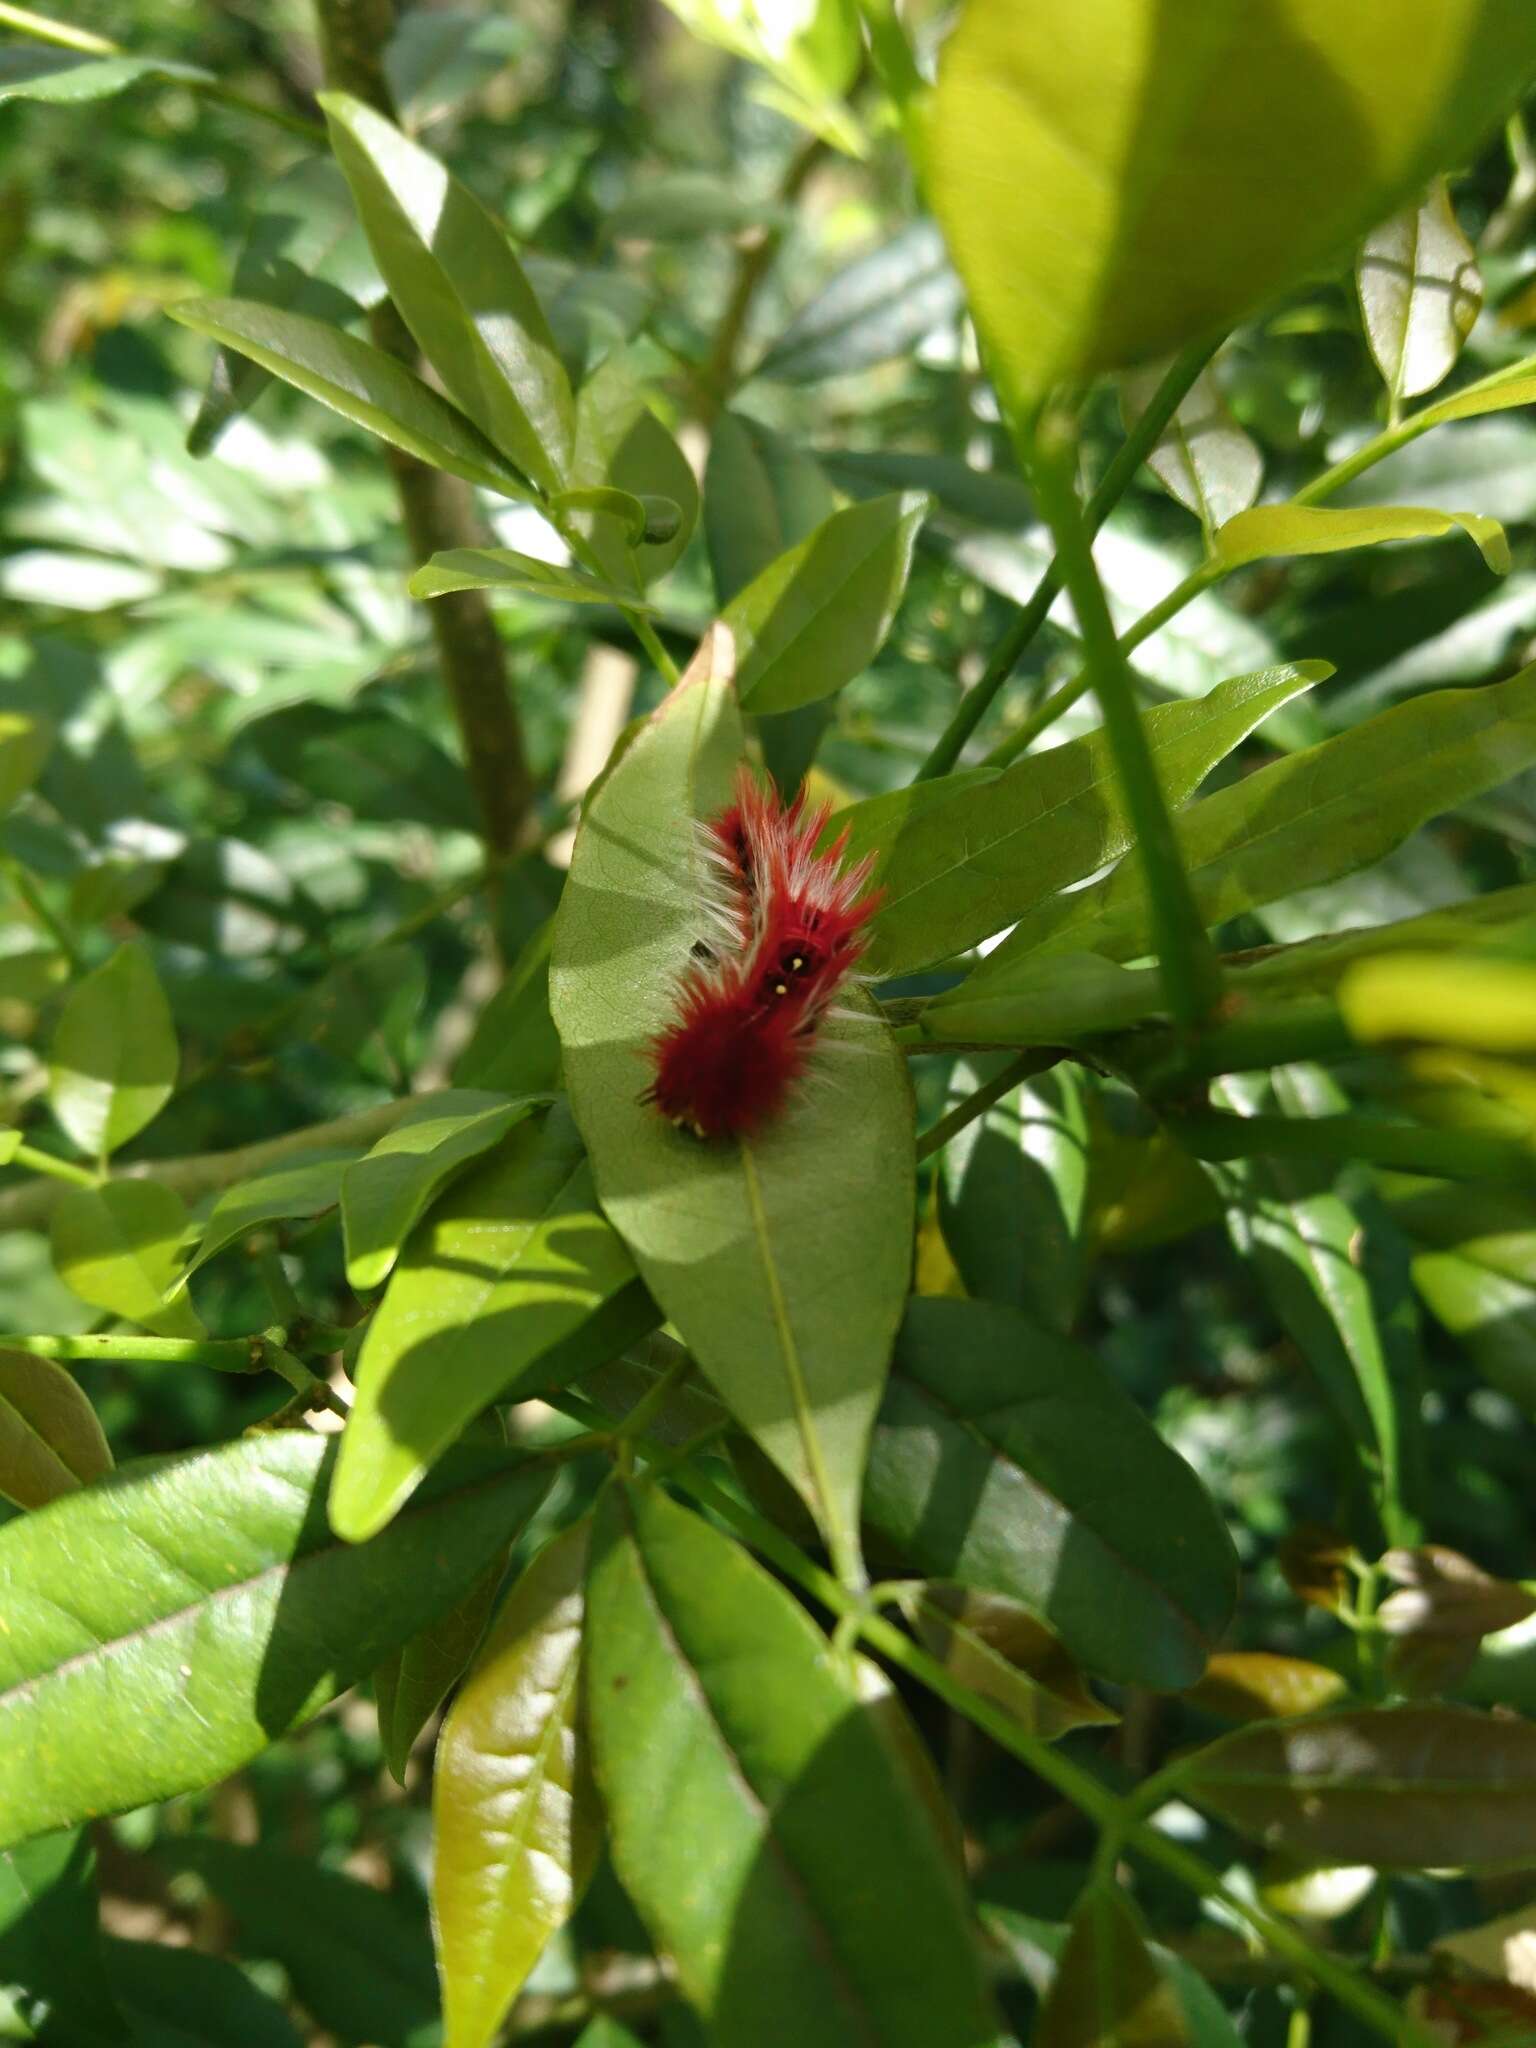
<point>62,34</point>
<point>43,911</point>
<point>233,1354</point>
<point>650,640</point>
<point>1133,451</point>
<point>1191,976</point>
<point>980,1100</point>
<point>1391,438</point>
<point>1167,1065</point>
<point>1023,737</point>
<point>36,1161</point>
<point>1070,1779</point>
<point>1407,1148</point>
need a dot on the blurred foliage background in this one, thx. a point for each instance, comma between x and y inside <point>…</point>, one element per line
<point>257,771</point>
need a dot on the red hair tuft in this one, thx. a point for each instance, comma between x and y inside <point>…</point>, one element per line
<point>786,929</point>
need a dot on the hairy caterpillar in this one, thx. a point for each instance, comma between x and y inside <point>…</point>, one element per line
<point>785,931</point>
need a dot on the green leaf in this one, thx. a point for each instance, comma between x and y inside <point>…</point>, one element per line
<point>50,1440</point>
<point>811,52</point>
<point>181,1998</point>
<point>287,1194</point>
<point>1066,187</point>
<point>304,253</point>
<point>357,380</point>
<point>966,856</point>
<point>459,288</point>
<point>1066,999</point>
<point>506,569</point>
<point>204,1597</point>
<point>1402,1788</point>
<point>112,1065</point>
<point>757,1816</point>
<point>364,1009</point>
<point>514,1047</point>
<point>880,307</point>
<point>1039,1945</point>
<point>1013,1195</point>
<point>1492,1316</point>
<point>818,616</point>
<point>517,1827</point>
<point>438,58</point>
<point>1305,820</point>
<point>1300,1240</point>
<point>1010,1460</point>
<point>762,494</point>
<point>1202,457</point>
<point>680,205</point>
<point>1325,529</point>
<point>413,1681</point>
<point>358,1958</point>
<point>387,1192</point>
<point>1108,1992</point>
<point>997,1648</point>
<point>788,1303</point>
<point>606,2032</point>
<point>25,744</point>
<point>66,77</point>
<point>119,1248</point>
<point>49,1948</point>
<point>1420,293</point>
<point>489,1293</point>
<point>621,446</point>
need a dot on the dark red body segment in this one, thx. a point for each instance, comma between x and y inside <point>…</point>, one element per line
<point>785,930</point>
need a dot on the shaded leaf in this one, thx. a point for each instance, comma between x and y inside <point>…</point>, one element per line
<point>788,1305</point>
<point>359,381</point>
<point>1010,1460</point>
<point>413,1681</point>
<point>50,1440</point>
<point>757,1817</point>
<point>49,1948</point>
<point>205,1597</point>
<point>1312,124</point>
<point>762,494</point>
<point>967,855</point>
<point>304,252</point>
<point>1402,1788</point>
<point>112,1065</point>
<point>358,1958</point>
<point>28,72</point>
<point>25,744</point>
<point>818,616</point>
<point>451,272</point>
<point>490,1293</point>
<point>181,1998</point>
<point>386,1192</point>
<point>514,1047</point>
<point>997,1648</point>
<point>119,1248</point>
<point>517,1826</point>
<point>1108,1992</point>
<point>1013,1192</point>
<point>621,446</point>
<point>881,306</point>
<point>1305,820</point>
<point>285,1194</point>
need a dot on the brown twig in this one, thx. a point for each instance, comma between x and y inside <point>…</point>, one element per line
<point>437,509</point>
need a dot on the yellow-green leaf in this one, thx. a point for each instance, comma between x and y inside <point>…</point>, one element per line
<point>517,1826</point>
<point>1326,529</point>
<point>1116,180</point>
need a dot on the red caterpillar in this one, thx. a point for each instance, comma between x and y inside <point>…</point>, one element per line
<point>786,931</point>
